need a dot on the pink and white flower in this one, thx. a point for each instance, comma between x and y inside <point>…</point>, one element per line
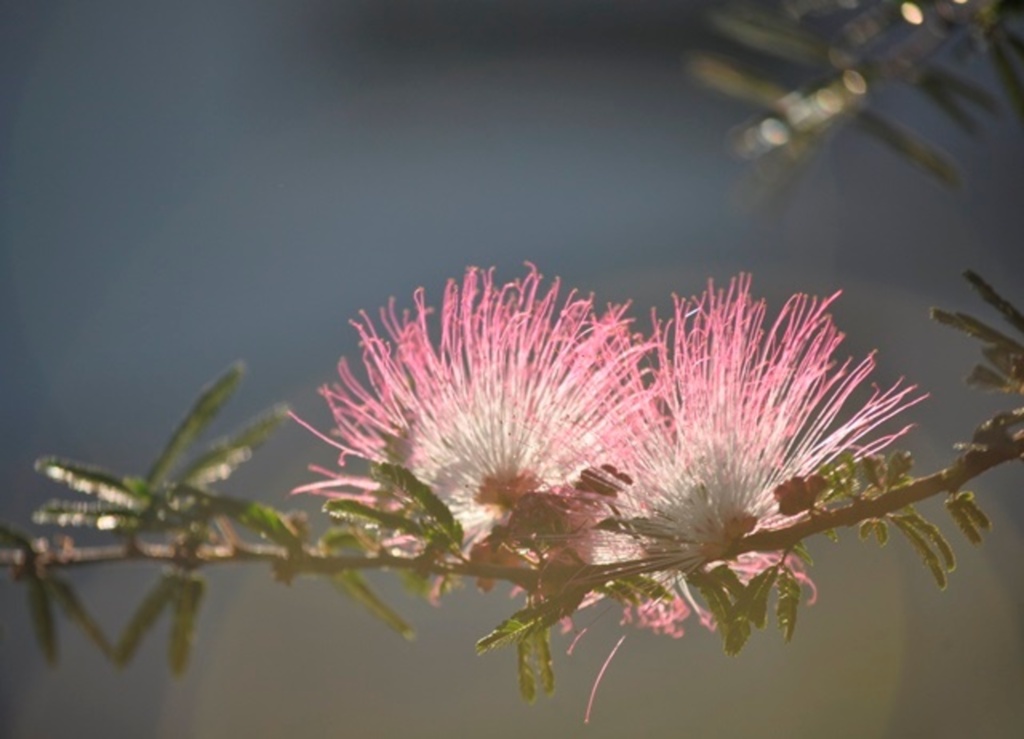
<point>739,408</point>
<point>518,394</point>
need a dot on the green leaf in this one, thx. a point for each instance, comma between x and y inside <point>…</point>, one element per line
<point>344,508</point>
<point>144,617</point>
<point>948,91</point>
<point>728,579</point>
<point>65,597</point>
<point>771,33</point>
<point>997,301</point>
<point>545,666</point>
<point>353,584</point>
<point>735,80</point>
<point>94,514</point>
<point>634,589</point>
<point>882,532</point>
<point>832,535</point>
<point>528,621</point>
<point>1012,83</point>
<point>931,533</point>
<point>920,543</point>
<point>42,618</point>
<point>93,480</point>
<point>223,456</point>
<point>800,550</point>
<point>786,606</point>
<point>897,468</point>
<point>755,598</point>
<point>968,516</point>
<point>873,467</point>
<point>261,519</point>
<point>910,146</point>
<point>339,538</point>
<point>715,587</point>
<point>527,676</point>
<point>983,378</point>
<point>14,537</point>
<point>976,329</point>
<point>189,593</point>
<point>394,476</point>
<point>209,403</point>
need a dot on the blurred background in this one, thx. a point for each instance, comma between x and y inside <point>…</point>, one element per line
<point>192,183</point>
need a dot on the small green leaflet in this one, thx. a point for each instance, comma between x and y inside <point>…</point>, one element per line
<point>395,477</point>
<point>528,621</point>
<point>189,592</point>
<point>223,456</point>
<point>145,617</point>
<point>67,599</point>
<point>788,601</point>
<point>205,408</point>
<point>968,516</point>
<point>344,508</point>
<point>926,538</point>
<point>353,584</point>
<point>255,516</point>
<point>42,618</point>
<point>92,480</point>
<point>534,662</point>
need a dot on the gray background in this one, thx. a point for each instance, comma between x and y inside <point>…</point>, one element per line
<point>186,184</point>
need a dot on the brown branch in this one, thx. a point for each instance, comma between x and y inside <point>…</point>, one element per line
<point>972,464</point>
<point>310,561</point>
<point>286,564</point>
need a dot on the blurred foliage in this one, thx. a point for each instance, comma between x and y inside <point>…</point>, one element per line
<point>827,59</point>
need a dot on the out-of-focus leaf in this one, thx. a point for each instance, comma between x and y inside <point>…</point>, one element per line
<point>910,145</point>
<point>257,517</point>
<point>948,91</point>
<point>14,537</point>
<point>343,507</point>
<point>158,598</point>
<point>93,480</point>
<point>189,593</point>
<point>532,619</point>
<point>800,550</point>
<point>735,80</point>
<point>223,456</point>
<point>42,618</point>
<point>634,589</point>
<point>772,33</point>
<point>976,329</point>
<point>335,539</point>
<point>210,401</point>
<point>94,514</point>
<point>1008,76</point>
<point>984,378</point>
<point>68,601</point>
<point>997,301</point>
<point>354,585</point>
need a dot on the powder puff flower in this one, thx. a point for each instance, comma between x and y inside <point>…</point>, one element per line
<point>519,394</point>
<point>742,410</point>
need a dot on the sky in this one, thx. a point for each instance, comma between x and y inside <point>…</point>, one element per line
<point>185,185</point>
